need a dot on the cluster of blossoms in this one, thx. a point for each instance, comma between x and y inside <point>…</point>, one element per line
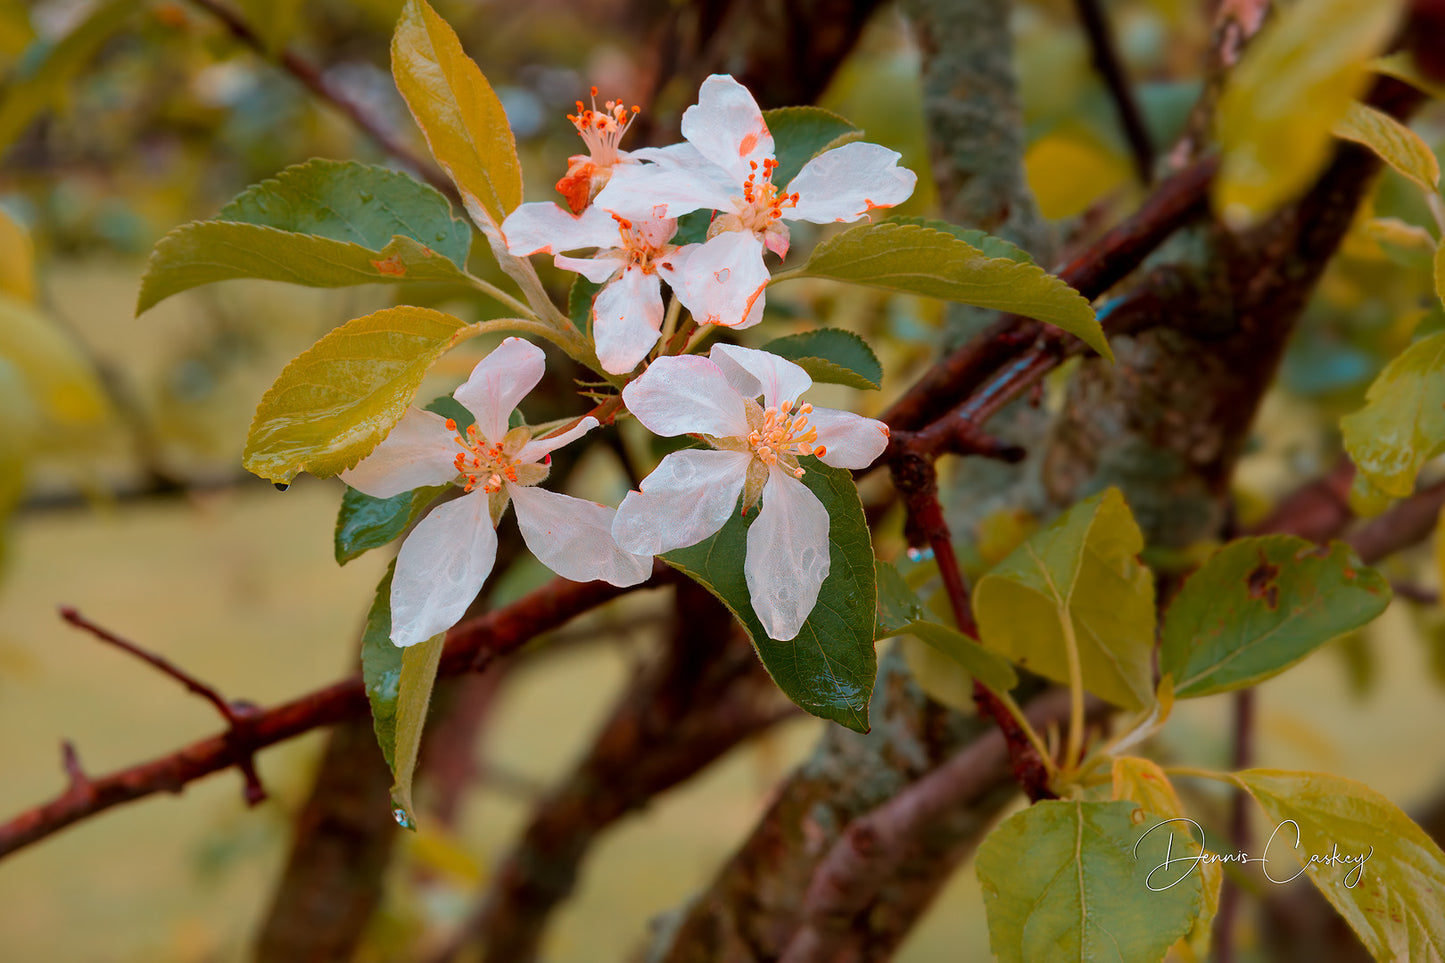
<point>744,404</point>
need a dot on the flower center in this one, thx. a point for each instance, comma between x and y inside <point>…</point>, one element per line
<point>784,435</point>
<point>761,203</point>
<point>491,464</point>
<point>602,130</point>
<point>645,243</point>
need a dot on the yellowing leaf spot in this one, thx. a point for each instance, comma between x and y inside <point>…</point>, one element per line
<point>391,266</point>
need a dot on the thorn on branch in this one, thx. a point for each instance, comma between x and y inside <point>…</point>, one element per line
<point>79,782</point>
<point>237,715</point>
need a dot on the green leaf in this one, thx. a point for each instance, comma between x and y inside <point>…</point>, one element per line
<point>418,674</point>
<point>1393,902</point>
<point>984,241</point>
<point>458,112</point>
<point>204,252</point>
<point>579,301</point>
<point>338,399</point>
<point>41,88</point>
<point>1402,425</point>
<point>1258,606</point>
<point>381,667</point>
<point>357,203</point>
<point>1077,585</point>
<point>898,605</point>
<point>828,669</point>
<point>1397,145</point>
<point>802,133</point>
<point>831,355</point>
<point>920,260</point>
<point>1062,880</point>
<point>364,522</point>
<point>990,668</point>
<point>1296,80</point>
<point>1142,781</point>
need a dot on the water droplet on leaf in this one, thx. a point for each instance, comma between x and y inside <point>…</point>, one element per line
<point>403,819</point>
<point>281,486</point>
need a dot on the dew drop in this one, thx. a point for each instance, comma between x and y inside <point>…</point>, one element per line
<point>919,554</point>
<point>281,486</point>
<point>402,818</point>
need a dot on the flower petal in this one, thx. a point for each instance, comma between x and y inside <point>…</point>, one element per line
<point>787,558</point>
<point>595,269</point>
<point>419,451</point>
<point>688,497</point>
<point>722,282</point>
<point>573,537</point>
<point>547,229</point>
<point>654,190</point>
<point>627,317</point>
<point>684,393</point>
<point>781,380</point>
<point>499,382</point>
<point>441,568</point>
<point>533,450</point>
<point>847,182</point>
<point>851,441</point>
<point>727,128</point>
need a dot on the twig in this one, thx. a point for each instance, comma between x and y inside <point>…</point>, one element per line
<point>495,633</point>
<point>1241,757</point>
<point>310,77</point>
<point>237,715</point>
<point>1111,71</point>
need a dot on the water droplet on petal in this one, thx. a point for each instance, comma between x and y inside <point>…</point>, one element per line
<point>281,486</point>
<point>402,818</point>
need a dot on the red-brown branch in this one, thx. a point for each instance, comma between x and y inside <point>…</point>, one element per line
<point>470,645</point>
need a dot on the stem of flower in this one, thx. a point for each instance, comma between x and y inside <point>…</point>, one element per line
<point>497,294</point>
<point>669,325</point>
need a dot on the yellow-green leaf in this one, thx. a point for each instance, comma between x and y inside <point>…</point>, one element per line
<point>1381,872</point>
<point>1070,881</point>
<point>458,112</point>
<point>936,264</point>
<point>418,674</point>
<point>337,400</point>
<point>1439,265</point>
<point>987,666</point>
<point>1142,781</point>
<point>1295,81</point>
<point>63,388</point>
<point>1402,425</point>
<point>204,252</point>
<point>1076,590</point>
<point>17,259</point>
<point>1397,145</point>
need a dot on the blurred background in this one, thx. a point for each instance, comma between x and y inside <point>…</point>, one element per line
<point>121,491</point>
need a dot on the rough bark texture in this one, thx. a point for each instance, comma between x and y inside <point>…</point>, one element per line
<point>343,840</point>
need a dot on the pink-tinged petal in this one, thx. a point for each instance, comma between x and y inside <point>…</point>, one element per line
<point>724,279</point>
<point>689,496</point>
<point>547,229</point>
<point>533,450</point>
<point>654,231</point>
<point>781,380</point>
<point>595,269</point>
<point>573,537</point>
<point>650,190</point>
<point>498,384</point>
<point>727,128</point>
<point>847,182</point>
<point>681,394</point>
<point>673,155</point>
<point>627,317</point>
<point>787,558</point>
<point>851,441</point>
<point>419,451</point>
<point>441,568</point>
